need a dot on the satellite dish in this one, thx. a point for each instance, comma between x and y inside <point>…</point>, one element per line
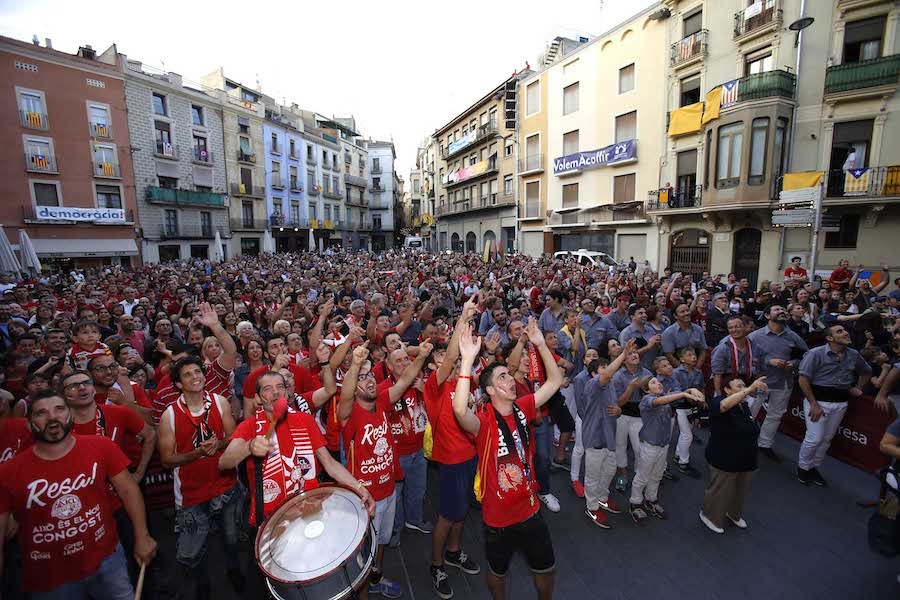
<point>801,24</point>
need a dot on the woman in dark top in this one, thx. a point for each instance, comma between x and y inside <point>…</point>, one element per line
<point>731,454</point>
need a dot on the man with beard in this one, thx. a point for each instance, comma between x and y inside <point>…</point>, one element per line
<point>734,356</point>
<point>104,371</point>
<point>778,350</point>
<point>683,334</point>
<point>54,359</point>
<point>371,448</point>
<point>59,493</point>
<point>130,335</point>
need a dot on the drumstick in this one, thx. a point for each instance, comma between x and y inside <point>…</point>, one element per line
<point>140,582</point>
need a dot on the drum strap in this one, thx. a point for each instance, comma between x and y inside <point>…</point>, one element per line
<point>258,490</point>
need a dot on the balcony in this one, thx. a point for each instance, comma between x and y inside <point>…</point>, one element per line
<point>689,50</point>
<point>100,131</point>
<point>107,170</point>
<point>348,158</point>
<point>165,150</point>
<point>333,194</point>
<point>295,185</point>
<point>761,17</point>
<point>475,204</point>
<point>531,164</point>
<point>326,166</point>
<point>874,182</point>
<point>34,120</point>
<point>242,189</point>
<point>311,159</point>
<point>770,84</point>
<point>277,219</point>
<point>159,195</point>
<point>355,181</point>
<point>335,167</point>
<point>41,163</point>
<point>246,157</point>
<point>376,187</point>
<point>184,231</point>
<point>471,173</point>
<point>277,183</point>
<point>357,201</point>
<point>32,215</point>
<point>376,169</point>
<point>850,77</point>
<point>248,224</point>
<point>671,199</point>
<point>202,156</point>
<point>486,130</point>
<point>314,190</point>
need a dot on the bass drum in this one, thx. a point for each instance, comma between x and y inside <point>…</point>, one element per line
<point>318,545</point>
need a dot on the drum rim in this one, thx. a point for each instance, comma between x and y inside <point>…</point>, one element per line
<point>369,527</point>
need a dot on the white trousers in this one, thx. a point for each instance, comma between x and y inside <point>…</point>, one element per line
<point>577,452</point>
<point>651,464</point>
<point>685,436</point>
<point>819,434</point>
<point>776,402</point>
<point>599,469</point>
<point>627,428</point>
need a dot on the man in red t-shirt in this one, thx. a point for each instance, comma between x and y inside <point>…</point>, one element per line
<point>795,272</point>
<point>193,433</point>
<point>59,493</point>
<point>114,388</point>
<point>370,446</point>
<point>840,277</point>
<point>505,446</point>
<point>14,434</point>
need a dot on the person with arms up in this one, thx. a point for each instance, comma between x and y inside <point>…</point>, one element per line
<point>506,463</point>
<point>626,385</point>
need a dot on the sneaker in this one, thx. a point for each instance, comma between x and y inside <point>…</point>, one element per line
<point>395,540</point>
<point>638,514</point>
<point>598,517</point>
<point>439,580</point>
<point>551,501</point>
<point>461,561</point>
<point>562,464</point>
<point>621,483</point>
<point>578,488</point>
<point>655,509</point>
<point>817,478</point>
<point>689,470</point>
<point>610,506</point>
<point>712,526</point>
<point>804,476</point>
<point>668,474</point>
<point>739,523</point>
<point>386,587</point>
<point>770,454</point>
<point>423,527</point>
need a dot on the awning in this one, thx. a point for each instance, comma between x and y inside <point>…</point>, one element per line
<point>565,211</point>
<point>624,205</point>
<point>59,247</point>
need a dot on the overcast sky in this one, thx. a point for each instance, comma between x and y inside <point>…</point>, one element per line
<point>402,68</point>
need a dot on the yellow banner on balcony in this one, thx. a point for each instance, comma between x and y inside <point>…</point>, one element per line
<point>107,169</point>
<point>34,119</point>
<point>329,224</point>
<point>664,196</point>
<point>803,179</point>
<point>242,188</point>
<point>313,223</point>
<point>685,120</point>
<point>713,105</point>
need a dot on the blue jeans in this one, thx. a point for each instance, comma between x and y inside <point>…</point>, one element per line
<point>411,491</point>
<point>110,582</point>
<point>192,526</point>
<point>543,446</point>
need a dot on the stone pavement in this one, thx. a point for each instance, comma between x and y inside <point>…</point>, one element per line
<point>802,543</point>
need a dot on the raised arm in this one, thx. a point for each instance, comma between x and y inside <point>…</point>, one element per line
<point>209,319</point>
<point>316,333</point>
<point>554,376</point>
<point>738,397</point>
<point>515,357</point>
<point>410,373</point>
<point>469,346</point>
<point>606,373</point>
<point>881,400</point>
<point>446,368</point>
<point>351,379</point>
<point>326,375</point>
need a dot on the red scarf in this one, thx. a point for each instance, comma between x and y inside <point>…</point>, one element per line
<point>735,371</point>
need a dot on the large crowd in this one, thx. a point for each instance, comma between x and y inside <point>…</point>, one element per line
<point>241,384</point>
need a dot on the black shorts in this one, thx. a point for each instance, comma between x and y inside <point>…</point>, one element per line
<point>530,536</point>
<point>559,414</point>
<point>457,489</point>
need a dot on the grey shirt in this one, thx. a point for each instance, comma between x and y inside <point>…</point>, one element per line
<point>578,383</point>
<point>657,428</point>
<point>595,329</point>
<point>504,337</point>
<point>768,345</point>
<point>721,363</point>
<point>598,429</point>
<point>550,322</point>
<point>675,338</point>
<point>823,367</point>
<point>618,321</point>
<point>632,332</point>
<point>620,383</point>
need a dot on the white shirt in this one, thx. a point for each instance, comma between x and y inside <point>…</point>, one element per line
<point>129,306</point>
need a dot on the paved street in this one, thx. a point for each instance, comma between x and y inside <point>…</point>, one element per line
<point>803,543</point>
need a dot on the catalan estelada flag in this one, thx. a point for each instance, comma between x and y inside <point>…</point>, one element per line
<point>107,169</point>
<point>101,130</point>
<point>39,161</point>
<point>856,182</point>
<point>34,119</point>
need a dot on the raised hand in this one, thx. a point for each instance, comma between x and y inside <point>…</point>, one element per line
<point>492,342</point>
<point>630,346</point>
<point>534,334</point>
<point>470,307</point>
<point>323,353</point>
<point>208,316</point>
<point>469,344</point>
<point>361,353</point>
<point>426,347</point>
<point>325,309</point>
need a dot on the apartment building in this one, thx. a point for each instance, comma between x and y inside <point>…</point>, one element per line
<point>476,168</point>
<point>243,115</point>
<point>422,193</point>
<point>383,187</point>
<point>69,181</point>
<point>354,220</point>
<point>589,139</point>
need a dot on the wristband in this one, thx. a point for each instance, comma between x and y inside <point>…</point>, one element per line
<point>469,377</point>
<point>324,364</point>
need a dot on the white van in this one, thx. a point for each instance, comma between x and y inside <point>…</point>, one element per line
<point>414,241</point>
<point>590,258</point>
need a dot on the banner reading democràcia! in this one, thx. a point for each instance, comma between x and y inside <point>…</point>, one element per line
<point>609,155</point>
<point>74,213</point>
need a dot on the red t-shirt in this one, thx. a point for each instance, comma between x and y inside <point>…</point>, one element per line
<point>508,496</point>
<point>291,467</point>
<point>120,424</point>
<point>452,445</point>
<point>303,381</point>
<point>369,447</point>
<point>15,436</point>
<point>140,397</point>
<point>80,357</point>
<point>66,526</point>
<point>791,271</point>
<point>840,275</point>
<point>408,419</point>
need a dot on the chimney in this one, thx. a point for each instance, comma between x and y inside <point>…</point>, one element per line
<point>175,79</point>
<point>49,43</point>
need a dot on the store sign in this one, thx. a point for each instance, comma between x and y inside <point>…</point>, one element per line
<point>462,142</point>
<point>69,213</point>
<point>595,158</point>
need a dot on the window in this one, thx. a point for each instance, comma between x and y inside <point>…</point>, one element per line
<point>570,143</point>
<point>247,213</point>
<point>706,160</point>
<point>335,183</point>
<point>104,155</point>
<point>295,182</point>
<point>295,212</point>
<point>206,228</point>
<point>626,79</point>
<point>758,63</point>
<point>250,246</point>
<point>171,222</point>
<point>532,152</point>
<point>508,185</point>
<point>100,124</point>
<point>533,98</point>
<point>376,165</point>
<point>248,96</point>
<point>626,127</point>
<point>292,148</point>
<point>40,155</point>
<point>533,199</point>
<point>46,194</point>
<point>728,160</point>
<point>201,152</point>
<point>109,196</point>
<point>276,174</point>
<point>309,152</point>
<point>623,188</point>
<point>493,191</point>
<point>415,186</point>
<point>862,39</point>
<point>492,117</point>
<point>376,182</point>
<point>324,158</point>
<point>278,205</point>
<point>159,104</point>
<point>327,212</point>
<point>163,134</point>
<point>570,195</point>
<point>197,115</point>
<point>570,99</point>
<point>508,147</point>
<point>376,220</point>
<point>310,180</point>
<point>759,130</point>
<point>686,166</point>
<point>244,125</point>
<point>312,210</point>
<point>169,183</point>
<point>245,146</point>
<point>690,91</point>
<point>778,147</point>
<point>31,103</point>
<point>247,178</point>
<point>846,236</point>
<point>693,23</point>
<point>275,148</point>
